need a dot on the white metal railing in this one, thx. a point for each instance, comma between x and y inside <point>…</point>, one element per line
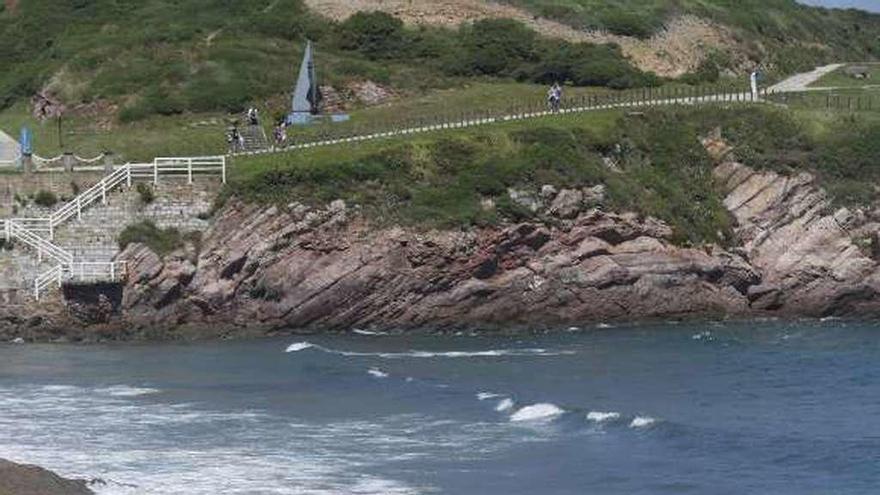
<point>53,276</point>
<point>110,271</point>
<point>694,96</point>
<point>14,231</point>
<point>37,233</point>
<point>131,172</point>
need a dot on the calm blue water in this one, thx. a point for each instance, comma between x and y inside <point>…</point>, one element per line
<point>706,409</point>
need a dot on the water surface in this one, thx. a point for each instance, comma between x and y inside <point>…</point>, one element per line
<point>783,408</point>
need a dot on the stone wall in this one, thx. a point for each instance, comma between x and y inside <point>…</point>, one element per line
<point>17,189</point>
<point>94,237</point>
<point>176,204</point>
<point>18,266</point>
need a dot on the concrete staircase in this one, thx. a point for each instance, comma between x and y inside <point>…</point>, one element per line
<point>254,137</point>
<point>66,225</point>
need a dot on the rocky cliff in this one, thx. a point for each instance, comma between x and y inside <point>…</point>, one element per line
<point>18,479</point>
<point>261,269</point>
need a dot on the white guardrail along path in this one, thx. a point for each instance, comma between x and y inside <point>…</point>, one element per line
<point>38,233</point>
<point>697,96</point>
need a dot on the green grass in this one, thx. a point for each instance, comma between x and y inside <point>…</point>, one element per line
<point>155,136</point>
<point>200,134</point>
<point>161,241</point>
<point>840,79</point>
<point>441,180</point>
<point>167,58</point>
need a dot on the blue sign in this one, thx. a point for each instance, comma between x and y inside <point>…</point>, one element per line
<point>25,141</point>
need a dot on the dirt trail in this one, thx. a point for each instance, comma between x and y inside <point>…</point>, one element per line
<point>678,49</point>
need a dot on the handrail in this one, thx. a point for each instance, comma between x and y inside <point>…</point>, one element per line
<point>16,231</point>
<point>27,230</point>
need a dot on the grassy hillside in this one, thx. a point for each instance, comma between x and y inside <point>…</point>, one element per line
<point>166,57</point>
<point>660,167</point>
<point>794,35</point>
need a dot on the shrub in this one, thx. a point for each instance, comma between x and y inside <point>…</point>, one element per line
<point>628,23</point>
<point>377,35</point>
<point>584,64</point>
<point>496,47</point>
<point>145,192</point>
<point>161,241</point>
<point>45,198</point>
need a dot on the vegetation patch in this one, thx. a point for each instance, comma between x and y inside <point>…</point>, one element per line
<point>46,199</point>
<point>160,241</point>
<point>653,164</point>
<point>145,193</point>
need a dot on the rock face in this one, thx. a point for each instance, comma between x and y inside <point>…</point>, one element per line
<point>811,256</point>
<point>263,269</point>
<point>17,479</point>
<point>321,269</point>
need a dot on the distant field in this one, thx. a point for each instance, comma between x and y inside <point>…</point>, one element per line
<point>840,79</point>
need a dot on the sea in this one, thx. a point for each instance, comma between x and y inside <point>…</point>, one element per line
<point>766,407</point>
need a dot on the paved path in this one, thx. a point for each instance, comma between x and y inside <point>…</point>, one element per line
<point>8,150</point>
<point>802,82</point>
<point>733,98</point>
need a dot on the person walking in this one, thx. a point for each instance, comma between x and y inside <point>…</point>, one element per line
<point>557,90</point>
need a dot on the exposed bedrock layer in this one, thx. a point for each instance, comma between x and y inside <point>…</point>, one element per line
<point>262,269</point>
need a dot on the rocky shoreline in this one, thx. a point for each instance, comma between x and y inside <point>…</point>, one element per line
<point>20,479</point>
<point>262,270</point>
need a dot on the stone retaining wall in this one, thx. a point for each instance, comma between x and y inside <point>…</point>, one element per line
<point>94,237</point>
<point>17,189</point>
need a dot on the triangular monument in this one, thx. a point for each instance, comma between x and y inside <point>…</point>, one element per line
<point>307,96</point>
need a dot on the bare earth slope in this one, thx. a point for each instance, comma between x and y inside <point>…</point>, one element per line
<point>683,45</point>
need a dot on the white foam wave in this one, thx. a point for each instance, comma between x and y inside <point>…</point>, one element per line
<point>299,346</point>
<point>126,391</point>
<point>642,422</point>
<point>601,417</point>
<point>604,326</point>
<point>504,405</point>
<point>376,372</point>
<point>487,395</point>
<point>538,413</point>
<point>80,432</point>
<point>367,332</point>
<point>707,335</point>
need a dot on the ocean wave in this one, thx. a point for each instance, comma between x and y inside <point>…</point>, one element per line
<point>359,331</point>
<point>377,373</point>
<point>537,413</point>
<point>602,417</point>
<point>504,405</point>
<point>487,395</point>
<point>126,391</point>
<point>706,335</point>
<point>642,422</point>
<point>301,346</point>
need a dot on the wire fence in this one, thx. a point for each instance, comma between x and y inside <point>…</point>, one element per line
<point>327,133</point>
<point>829,101</point>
